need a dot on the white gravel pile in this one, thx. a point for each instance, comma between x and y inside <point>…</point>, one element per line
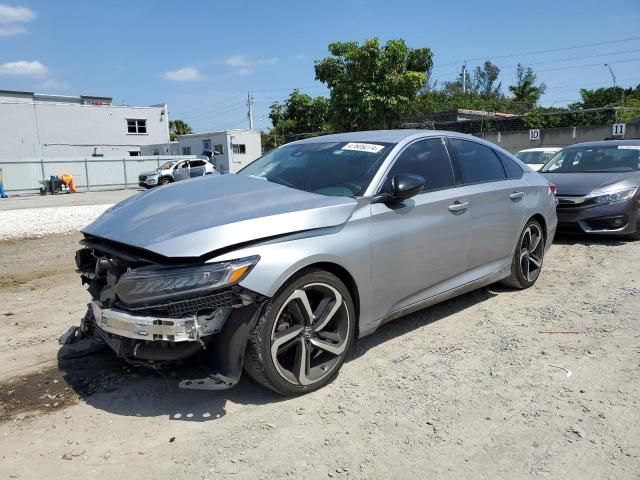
<point>36,222</point>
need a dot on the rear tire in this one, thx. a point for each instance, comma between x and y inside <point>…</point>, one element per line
<point>527,258</point>
<point>304,335</point>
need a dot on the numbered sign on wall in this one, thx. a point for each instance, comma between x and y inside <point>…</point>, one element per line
<point>534,135</point>
<point>618,129</point>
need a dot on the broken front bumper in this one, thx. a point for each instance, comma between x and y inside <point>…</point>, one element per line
<point>155,328</point>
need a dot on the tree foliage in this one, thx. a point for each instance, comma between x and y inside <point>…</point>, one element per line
<point>177,128</point>
<point>372,86</point>
<point>298,115</point>
<point>525,92</point>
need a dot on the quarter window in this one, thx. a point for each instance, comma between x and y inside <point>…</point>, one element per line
<point>512,168</point>
<point>427,158</point>
<point>136,125</point>
<point>478,163</point>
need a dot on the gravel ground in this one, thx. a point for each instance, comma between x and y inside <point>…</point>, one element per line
<point>499,384</point>
<point>37,222</point>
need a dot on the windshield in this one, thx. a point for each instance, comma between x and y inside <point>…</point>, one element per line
<point>535,158</point>
<point>167,165</point>
<point>609,158</point>
<point>327,168</point>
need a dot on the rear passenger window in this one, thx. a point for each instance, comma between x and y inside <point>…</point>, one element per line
<point>478,163</point>
<point>427,158</point>
<point>512,168</point>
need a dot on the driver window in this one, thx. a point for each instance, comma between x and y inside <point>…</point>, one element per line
<point>427,158</point>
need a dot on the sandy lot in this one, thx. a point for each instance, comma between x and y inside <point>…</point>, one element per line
<point>471,388</point>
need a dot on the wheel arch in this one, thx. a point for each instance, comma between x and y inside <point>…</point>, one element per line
<point>339,271</point>
<point>543,223</point>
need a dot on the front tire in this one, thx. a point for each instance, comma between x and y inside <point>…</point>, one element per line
<point>304,335</point>
<point>165,181</point>
<point>527,259</point>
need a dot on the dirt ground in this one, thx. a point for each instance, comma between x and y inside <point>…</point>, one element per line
<point>494,384</point>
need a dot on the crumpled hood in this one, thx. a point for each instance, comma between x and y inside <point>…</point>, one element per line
<point>585,183</point>
<point>198,216</point>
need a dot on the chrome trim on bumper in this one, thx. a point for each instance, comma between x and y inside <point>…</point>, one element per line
<point>151,328</point>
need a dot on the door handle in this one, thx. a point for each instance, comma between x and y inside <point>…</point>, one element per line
<point>516,195</point>
<point>458,206</point>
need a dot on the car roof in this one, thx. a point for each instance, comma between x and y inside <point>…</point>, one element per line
<point>541,149</point>
<point>387,136</point>
<point>606,143</point>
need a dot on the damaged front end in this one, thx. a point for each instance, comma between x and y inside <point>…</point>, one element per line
<point>156,311</point>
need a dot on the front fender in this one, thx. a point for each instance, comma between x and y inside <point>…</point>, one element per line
<point>347,246</point>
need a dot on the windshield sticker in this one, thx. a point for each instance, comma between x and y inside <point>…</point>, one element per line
<point>363,147</point>
<point>628,147</point>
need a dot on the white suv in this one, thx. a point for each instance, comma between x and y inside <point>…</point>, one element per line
<point>174,171</point>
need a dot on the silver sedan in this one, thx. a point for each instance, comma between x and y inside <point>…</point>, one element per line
<point>278,269</point>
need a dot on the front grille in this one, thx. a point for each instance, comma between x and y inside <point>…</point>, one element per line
<point>208,302</point>
<point>190,306</point>
<point>142,178</point>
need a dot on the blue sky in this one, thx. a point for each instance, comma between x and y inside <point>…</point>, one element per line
<point>201,57</point>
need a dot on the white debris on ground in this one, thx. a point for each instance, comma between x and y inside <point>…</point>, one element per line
<point>35,222</point>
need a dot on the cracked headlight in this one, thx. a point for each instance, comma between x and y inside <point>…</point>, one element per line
<point>617,196</point>
<point>147,285</point>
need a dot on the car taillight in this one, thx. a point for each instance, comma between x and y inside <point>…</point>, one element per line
<point>553,188</point>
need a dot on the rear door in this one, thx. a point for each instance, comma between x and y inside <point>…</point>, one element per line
<point>497,195</point>
<point>419,246</point>
<point>181,171</point>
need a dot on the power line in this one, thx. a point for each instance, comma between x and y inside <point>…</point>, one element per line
<point>206,106</point>
<point>538,51</point>
<point>589,65</point>
<point>502,67</point>
<point>209,114</point>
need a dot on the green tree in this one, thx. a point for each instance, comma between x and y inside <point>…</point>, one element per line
<point>526,93</point>
<point>484,80</point>
<point>298,115</point>
<point>372,86</point>
<point>177,128</point>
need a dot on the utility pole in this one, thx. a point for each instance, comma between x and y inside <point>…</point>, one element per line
<point>613,77</point>
<point>250,114</point>
<point>464,77</point>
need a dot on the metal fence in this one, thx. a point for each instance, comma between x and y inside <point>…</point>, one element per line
<point>89,173</point>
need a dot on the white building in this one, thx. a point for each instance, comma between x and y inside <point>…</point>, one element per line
<point>39,126</point>
<point>234,149</point>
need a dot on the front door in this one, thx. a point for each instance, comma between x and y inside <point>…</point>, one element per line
<point>419,246</point>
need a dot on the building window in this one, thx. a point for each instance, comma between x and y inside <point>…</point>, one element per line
<point>134,153</point>
<point>206,145</point>
<point>239,148</point>
<point>186,150</point>
<point>218,149</point>
<point>136,125</point>
<point>156,151</point>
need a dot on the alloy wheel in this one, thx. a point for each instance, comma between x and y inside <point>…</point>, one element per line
<point>531,252</point>
<point>310,334</point>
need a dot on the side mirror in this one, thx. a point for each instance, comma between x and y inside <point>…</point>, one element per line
<point>404,186</point>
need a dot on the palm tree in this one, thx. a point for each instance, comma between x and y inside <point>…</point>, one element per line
<point>177,128</point>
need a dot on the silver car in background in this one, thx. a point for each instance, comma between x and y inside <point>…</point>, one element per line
<point>314,244</point>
